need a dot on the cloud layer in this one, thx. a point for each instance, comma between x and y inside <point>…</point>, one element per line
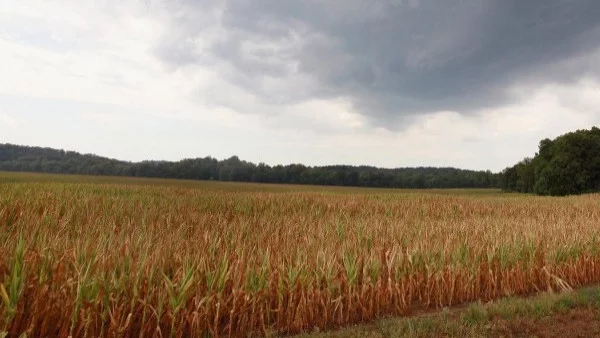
<point>472,84</point>
<point>392,59</point>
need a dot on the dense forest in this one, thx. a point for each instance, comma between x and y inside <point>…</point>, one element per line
<point>569,164</point>
<point>35,159</point>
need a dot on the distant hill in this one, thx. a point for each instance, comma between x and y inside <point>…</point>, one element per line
<point>48,160</point>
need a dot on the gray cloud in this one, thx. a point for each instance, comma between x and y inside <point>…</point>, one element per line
<point>394,59</point>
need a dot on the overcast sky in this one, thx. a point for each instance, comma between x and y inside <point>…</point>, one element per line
<point>464,83</point>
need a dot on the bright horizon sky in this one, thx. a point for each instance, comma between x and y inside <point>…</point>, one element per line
<point>471,84</point>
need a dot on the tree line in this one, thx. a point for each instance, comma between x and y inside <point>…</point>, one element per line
<point>48,160</point>
<point>567,165</point>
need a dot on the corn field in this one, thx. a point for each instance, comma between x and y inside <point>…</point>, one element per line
<point>149,258</point>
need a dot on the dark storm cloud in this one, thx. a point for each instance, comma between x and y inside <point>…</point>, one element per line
<point>393,58</point>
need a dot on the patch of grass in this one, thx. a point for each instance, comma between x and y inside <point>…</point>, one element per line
<point>512,307</point>
<point>433,326</point>
<point>475,314</point>
<point>588,296</point>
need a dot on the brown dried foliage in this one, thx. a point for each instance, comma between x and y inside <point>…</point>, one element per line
<point>221,260</point>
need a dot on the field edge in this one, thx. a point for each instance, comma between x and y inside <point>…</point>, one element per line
<point>509,316</point>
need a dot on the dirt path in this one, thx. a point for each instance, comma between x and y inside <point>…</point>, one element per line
<point>579,322</point>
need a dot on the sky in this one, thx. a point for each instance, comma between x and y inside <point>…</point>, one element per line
<point>474,84</point>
